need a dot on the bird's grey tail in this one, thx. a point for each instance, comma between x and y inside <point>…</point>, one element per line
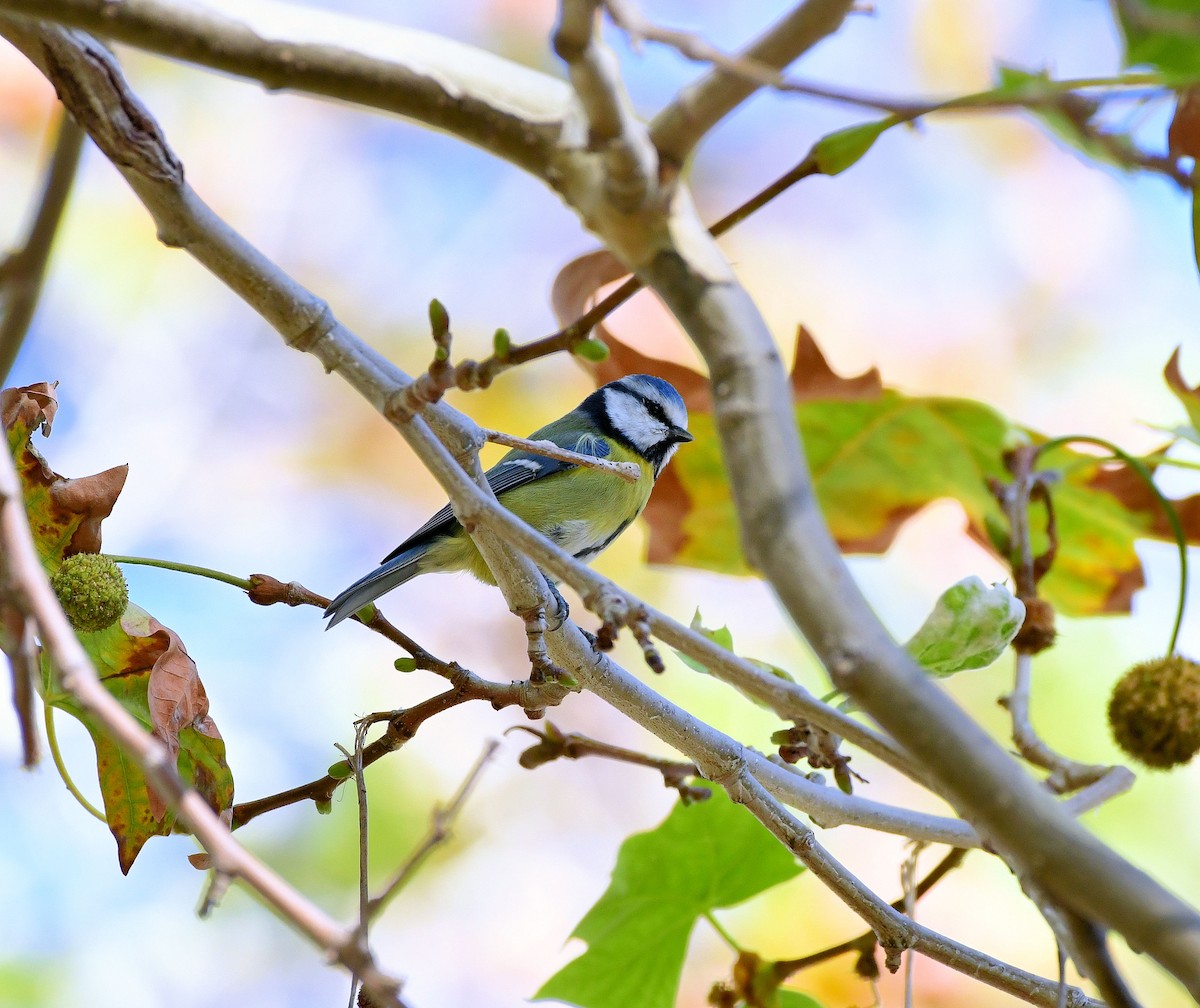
<point>367,589</point>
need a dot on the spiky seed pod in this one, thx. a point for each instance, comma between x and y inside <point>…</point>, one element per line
<point>91,590</point>
<point>1154,711</point>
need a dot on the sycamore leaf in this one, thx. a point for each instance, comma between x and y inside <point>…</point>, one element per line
<point>794,999</point>
<point>64,514</point>
<point>702,857</point>
<point>145,666</point>
<point>1187,395</point>
<point>1069,117</point>
<point>723,637</point>
<point>878,456</point>
<point>142,663</point>
<point>1163,34</point>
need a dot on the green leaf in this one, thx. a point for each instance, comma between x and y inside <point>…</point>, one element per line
<point>146,669</point>
<point>834,153</point>
<point>1188,396</point>
<point>1196,226</point>
<point>1163,34</point>
<point>874,462</point>
<point>703,856</point>
<point>794,999</point>
<point>722,637</point>
<point>1068,116</point>
<point>970,626</point>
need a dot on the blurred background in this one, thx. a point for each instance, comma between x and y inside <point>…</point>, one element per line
<point>970,256</point>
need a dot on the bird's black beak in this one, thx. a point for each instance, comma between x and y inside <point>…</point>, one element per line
<point>681,435</point>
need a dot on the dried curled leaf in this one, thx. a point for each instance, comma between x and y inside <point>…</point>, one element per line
<point>142,663</point>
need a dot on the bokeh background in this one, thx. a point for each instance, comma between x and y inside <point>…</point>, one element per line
<point>970,256</point>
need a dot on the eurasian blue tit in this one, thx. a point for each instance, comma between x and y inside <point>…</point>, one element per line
<point>639,419</point>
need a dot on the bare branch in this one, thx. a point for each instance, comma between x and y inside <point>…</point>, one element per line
<point>679,127</point>
<point>785,537</point>
<point>630,164</point>
<point>724,762</point>
<point>439,832</point>
<point>22,271</point>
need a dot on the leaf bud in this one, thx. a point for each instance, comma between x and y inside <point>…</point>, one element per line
<point>439,318</point>
<point>591,350</point>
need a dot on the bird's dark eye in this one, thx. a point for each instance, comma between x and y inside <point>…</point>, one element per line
<point>655,410</point>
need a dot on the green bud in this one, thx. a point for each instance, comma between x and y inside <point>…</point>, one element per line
<point>439,318</point>
<point>91,590</point>
<point>501,343</point>
<point>591,350</point>
<point>405,664</point>
<point>324,806</point>
<point>969,628</point>
<point>340,770</point>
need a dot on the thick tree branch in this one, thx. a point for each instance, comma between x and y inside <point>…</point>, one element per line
<point>784,535</point>
<point>629,162</point>
<point>507,109</point>
<point>679,127</point>
<point>726,763</point>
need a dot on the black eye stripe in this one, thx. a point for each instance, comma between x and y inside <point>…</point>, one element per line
<point>656,411</point>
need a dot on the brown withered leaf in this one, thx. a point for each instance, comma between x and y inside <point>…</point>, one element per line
<point>1183,135</point>
<point>64,514</point>
<point>813,378</point>
<point>143,664</point>
<point>29,407</point>
<point>578,281</point>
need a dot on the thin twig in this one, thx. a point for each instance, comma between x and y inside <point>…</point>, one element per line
<point>23,270</point>
<point>865,943</point>
<point>1029,485</point>
<point>439,832</point>
<point>17,635</point>
<point>364,834</point>
<point>683,123</point>
<point>554,745</point>
<point>630,472</point>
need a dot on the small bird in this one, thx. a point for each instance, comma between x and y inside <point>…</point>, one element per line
<point>639,418</point>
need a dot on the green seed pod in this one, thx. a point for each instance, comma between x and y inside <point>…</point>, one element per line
<point>91,590</point>
<point>1154,711</point>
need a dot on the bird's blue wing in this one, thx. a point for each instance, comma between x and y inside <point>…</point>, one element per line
<point>515,469</point>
